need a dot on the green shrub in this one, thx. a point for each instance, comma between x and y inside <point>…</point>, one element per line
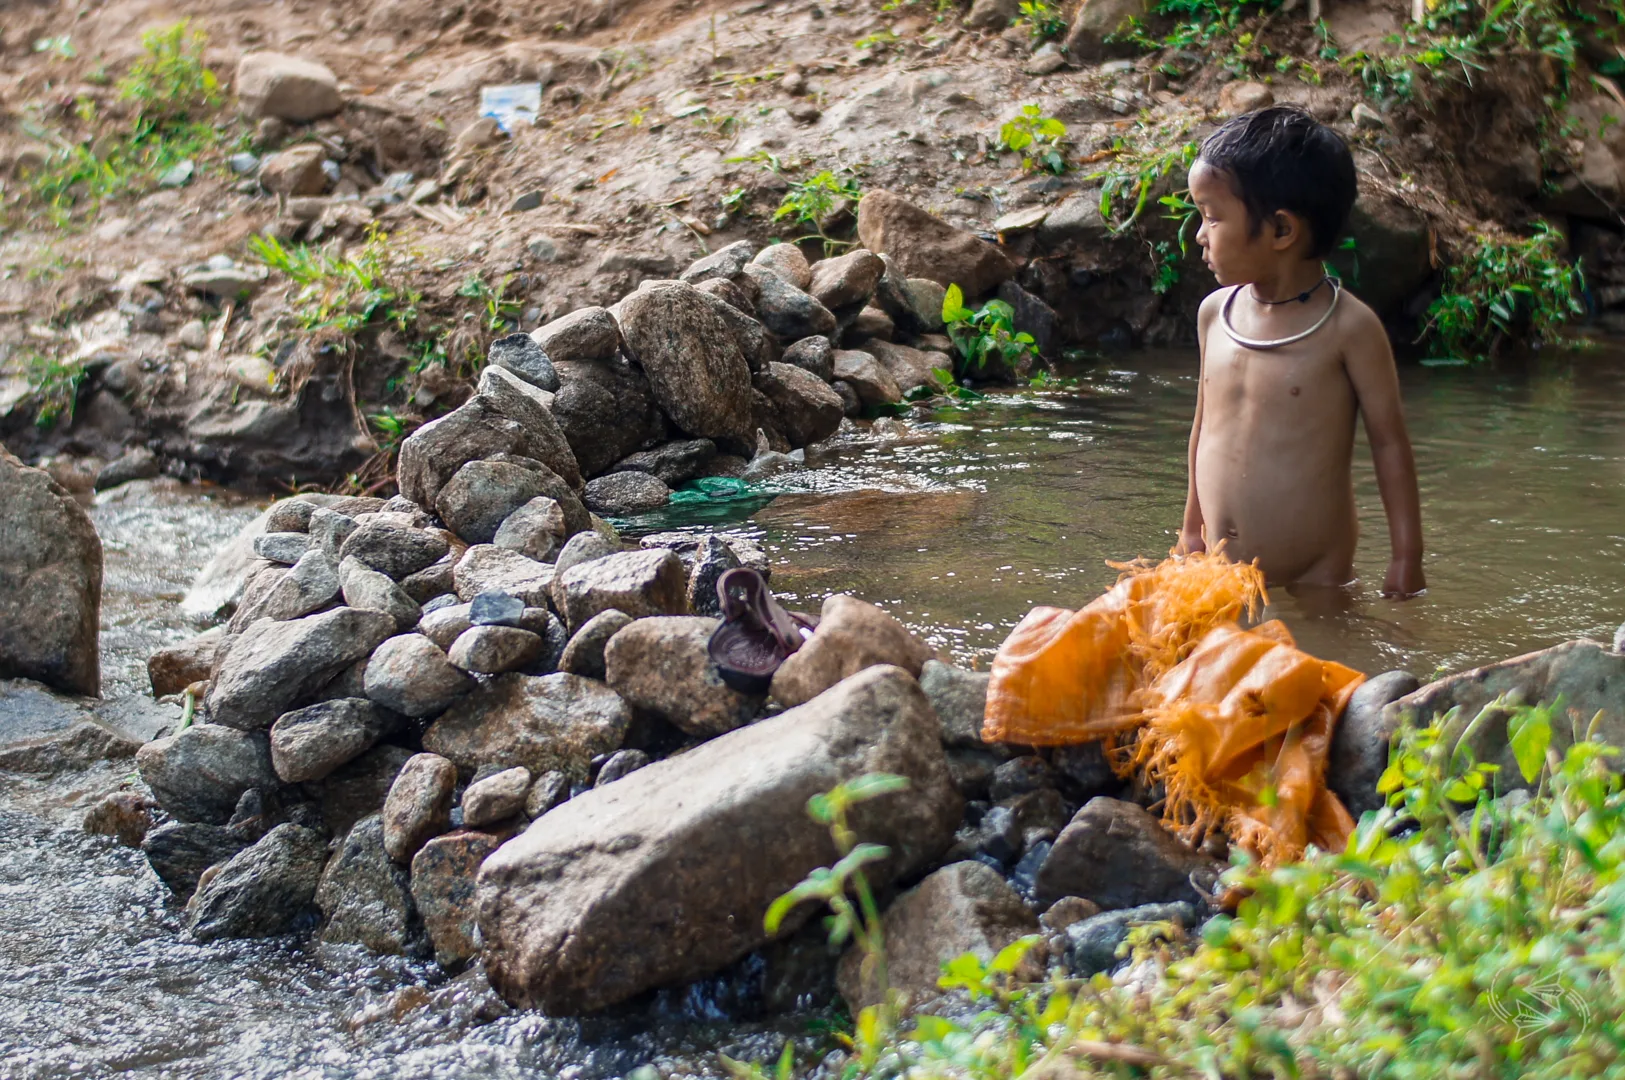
<point>984,336</point>
<point>1462,932</point>
<point>1037,138</point>
<point>813,201</point>
<point>1503,288</point>
<point>342,292</point>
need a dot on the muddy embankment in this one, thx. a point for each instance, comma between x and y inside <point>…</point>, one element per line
<point>140,327</point>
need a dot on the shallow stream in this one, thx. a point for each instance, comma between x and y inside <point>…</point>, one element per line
<point>958,526</point>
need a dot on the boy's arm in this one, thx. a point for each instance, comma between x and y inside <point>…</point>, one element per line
<point>1190,527</point>
<point>1370,364</point>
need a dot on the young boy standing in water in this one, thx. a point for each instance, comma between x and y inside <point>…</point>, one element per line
<point>1288,361</point>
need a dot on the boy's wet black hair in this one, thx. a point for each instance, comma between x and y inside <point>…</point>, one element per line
<point>1281,158</point>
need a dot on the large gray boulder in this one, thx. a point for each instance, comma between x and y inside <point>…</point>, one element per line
<point>695,367</point>
<point>664,876</point>
<point>1588,676</point>
<point>786,310</point>
<point>804,407</point>
<point>199,773</point>
<point>482,494</point>
<point>50,583</point>
<point>262,890</point>
<point>276,666</point>
<point>543,722</point>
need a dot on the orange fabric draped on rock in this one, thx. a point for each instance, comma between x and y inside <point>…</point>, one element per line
<point>1234,724</point>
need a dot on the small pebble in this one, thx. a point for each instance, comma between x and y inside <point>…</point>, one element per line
<point>493,607</point>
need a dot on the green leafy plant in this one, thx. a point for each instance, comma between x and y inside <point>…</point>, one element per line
<point>54,386</point>
<point>1037,138</point>
<point>985,336</point>
<point>342,292</point>
<point>501,311</point>
<point>170,81</point>
<point>734,201</point>
<point>1042,20</point>
<point>1140,164</point>
<point>814,201</point>
<point>1504,288</point>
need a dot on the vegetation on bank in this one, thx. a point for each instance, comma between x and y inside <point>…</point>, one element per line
<point>1471,928</point>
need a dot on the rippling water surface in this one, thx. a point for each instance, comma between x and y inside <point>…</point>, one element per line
<point>958,526</point>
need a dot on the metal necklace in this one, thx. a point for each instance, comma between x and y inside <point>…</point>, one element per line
<point>1264,346</point>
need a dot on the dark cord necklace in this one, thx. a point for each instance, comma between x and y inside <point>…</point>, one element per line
<point>1301,298</point>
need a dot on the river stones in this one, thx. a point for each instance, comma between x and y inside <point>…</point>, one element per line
<point>918,244</point>
<point>846,279</point>
<point>965,907</point>
<point>369,590</point>
<point>521,355</point>
<point>393,547</point>
<point>672,463</point>
<point>584,653</point>
<point>263,890</point>
<point>536,530</point>
<point>180,851</point>
<point>872,383</point>
<point>1119,856</point>
<point>496,798</point>
<point>311,584</point>
<point>851,636</point>
<point>199,773</point>
<point>786,310</point>
<point>588,333</point>
<point>542,722</point>
<point>286,87</point>
<point>721,265</point>
<point>487,568</point>
<point>620,763</point>
<point>491,650</point>
<point>694,363</point>
<point>812,355</point>
<point>309,743</point>
<point>412,676</point>
<point>532,409</point>
<point>358,788</point>
<point>275,666</point>
<point>663,876</point>
<point>418,806</point>
<point>1359,752</point>
<point>366,897</point>
<point>638,583</point>
<point>1091,943</point>
<point>712,558</point>
<point>479,498</point>
<point>911,369</point>
<point>282,547</point>
<point>620,493</point>
<point>50,583</point>
<point>804,407</point>
<point>960,700</point>
<point>788,262</point>
<point>173,668</point>
<point>661,666</point>
<point>443,884</point>
<point>607,411</point>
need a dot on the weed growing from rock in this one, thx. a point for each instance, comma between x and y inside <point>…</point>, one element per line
<point>1504,287</point>
<point>814,201</point>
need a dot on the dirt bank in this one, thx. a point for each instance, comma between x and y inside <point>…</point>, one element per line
<point>668,130</point>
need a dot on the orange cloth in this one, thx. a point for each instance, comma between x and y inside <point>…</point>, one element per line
<point>1235,724</point>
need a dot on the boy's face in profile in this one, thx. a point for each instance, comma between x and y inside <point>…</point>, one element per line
<point>1235,251</point>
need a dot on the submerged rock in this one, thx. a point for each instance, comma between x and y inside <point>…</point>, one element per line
<point>50,583</point>
<point>542,722</point>
<point>663,876</point>
<point>263,890</point>
<point>367,898</point>
<point>1119,856</point>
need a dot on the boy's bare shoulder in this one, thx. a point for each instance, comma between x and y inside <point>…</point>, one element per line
<point>1355,316</point>
<point>1210,310</point>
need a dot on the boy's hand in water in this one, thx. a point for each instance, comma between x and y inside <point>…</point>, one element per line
<point>1404,579</point>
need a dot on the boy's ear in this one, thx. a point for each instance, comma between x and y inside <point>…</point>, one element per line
<point>1285,228</point>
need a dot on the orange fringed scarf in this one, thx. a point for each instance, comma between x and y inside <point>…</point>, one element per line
<point>1234,724</point>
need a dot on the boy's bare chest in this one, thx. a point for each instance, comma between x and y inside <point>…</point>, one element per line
<point>1299,379</point>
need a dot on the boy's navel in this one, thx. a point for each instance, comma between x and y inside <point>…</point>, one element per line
<point>1295,391</point>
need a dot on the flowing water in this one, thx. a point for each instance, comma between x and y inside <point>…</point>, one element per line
<point>958,525</point>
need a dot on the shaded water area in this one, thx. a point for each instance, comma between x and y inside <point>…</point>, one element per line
<point>958,527</point>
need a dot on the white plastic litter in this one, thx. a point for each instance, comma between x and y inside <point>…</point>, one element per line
<point>512,104</point>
